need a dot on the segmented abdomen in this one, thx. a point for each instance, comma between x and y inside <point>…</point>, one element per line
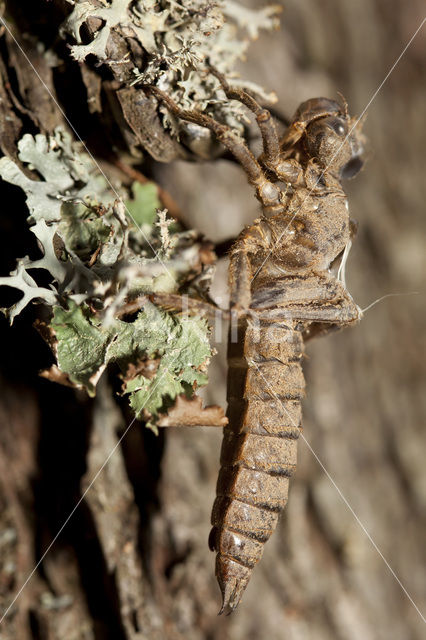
<point>259,450</point>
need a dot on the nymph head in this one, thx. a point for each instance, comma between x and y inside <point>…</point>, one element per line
<point>335,141</point>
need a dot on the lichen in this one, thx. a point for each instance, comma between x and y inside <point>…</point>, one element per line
<point>99,258</point>
<point>180,40</point>
<point>109,260</point>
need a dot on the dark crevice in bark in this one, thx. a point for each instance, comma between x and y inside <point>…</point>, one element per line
<point>98,585</point>
<point>12,85</point>
<point>40,19</point>
<point>143,452</point>
<point>72,97</point>
<point>35,626</point>
<point>62,462</point>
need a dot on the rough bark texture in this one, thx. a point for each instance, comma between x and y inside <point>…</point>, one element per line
<point>133,561</point>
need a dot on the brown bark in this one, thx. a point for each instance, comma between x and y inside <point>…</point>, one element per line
<point>133,563</point>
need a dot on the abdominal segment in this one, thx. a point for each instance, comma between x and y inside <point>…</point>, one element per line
<point>259,450</point>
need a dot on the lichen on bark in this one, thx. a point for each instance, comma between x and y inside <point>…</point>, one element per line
<point>98,259</point>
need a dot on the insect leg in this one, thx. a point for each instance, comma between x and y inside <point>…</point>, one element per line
<point>240,277</point>
<point>316,299</point>
<point>250,242</point>
<point>267,192</point>
<point>286,170</point>
<point>271,145</point>
<point>343,313</point>
<point>173,302</point>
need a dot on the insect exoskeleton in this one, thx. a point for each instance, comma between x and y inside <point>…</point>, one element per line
<point>282,291</point>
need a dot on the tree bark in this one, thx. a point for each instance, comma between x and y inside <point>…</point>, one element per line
<point>132,563</point>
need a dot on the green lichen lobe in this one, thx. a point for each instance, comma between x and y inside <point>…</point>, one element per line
<point>101,253</point>
<point>178,345</point>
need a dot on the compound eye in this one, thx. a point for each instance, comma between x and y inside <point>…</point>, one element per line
<point>338,125</point>
<point>351,168</point>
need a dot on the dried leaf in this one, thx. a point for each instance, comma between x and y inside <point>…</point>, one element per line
<point>147,368</point>
<point>189,412</point>
<point>93,83</point>
<point>10,124</point>
<point>38,102</point>
<point>140,113</point>
<point>54,374</point>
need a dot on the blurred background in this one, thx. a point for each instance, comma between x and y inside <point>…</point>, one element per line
<point>133,562</point>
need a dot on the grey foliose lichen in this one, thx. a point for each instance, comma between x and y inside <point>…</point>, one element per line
<point>104,252</point>
<point>180,38</point>
<point>101,252</point>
